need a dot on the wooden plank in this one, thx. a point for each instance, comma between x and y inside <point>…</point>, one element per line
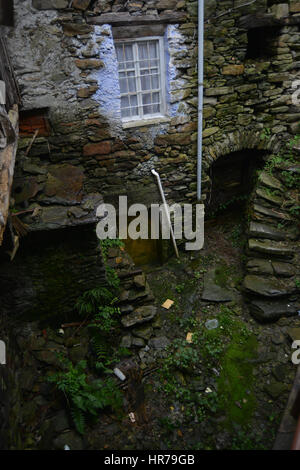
<point>7,165</point>
<point>138,31</point>
<point>125,19</point>
<point>8,76</point>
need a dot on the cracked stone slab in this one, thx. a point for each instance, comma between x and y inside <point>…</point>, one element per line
<point>259,266</point>
<point>283,269</point>
<point>271,248</point>
<point>272,198</point>
<point>270,181</point>
<point>274,213</point>
<point>267,287</point>
<point>212,291</point>
<point>139,315</point>
<point>268,310</point>
<point>261,230</point>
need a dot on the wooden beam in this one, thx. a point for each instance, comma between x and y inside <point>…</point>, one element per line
<point>139,31</point>
<point>7,165</point>
<point>125,19</point>
<point>8,76</point>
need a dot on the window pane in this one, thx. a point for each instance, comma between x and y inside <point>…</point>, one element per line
<point>147,101</point>
<point>153,52</point>
<point>123,85</point>
<point>119,51</point>
<point>125,111</point>
<point>145,80</point>
<point>129,64</point>
<point>155,81</point>
<point>131,81</point>
<point>143,54</point>
<point>139,76</point>
<point>156,102</point>
<point>134,105</point>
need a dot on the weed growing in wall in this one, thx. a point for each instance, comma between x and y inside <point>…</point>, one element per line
<point>85,398</point>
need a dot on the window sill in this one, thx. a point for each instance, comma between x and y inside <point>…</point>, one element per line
<point>145,122</point>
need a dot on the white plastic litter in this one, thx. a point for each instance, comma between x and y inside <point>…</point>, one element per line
<point>211,324</point>
<point>66,447</point>
<point>119,374</point>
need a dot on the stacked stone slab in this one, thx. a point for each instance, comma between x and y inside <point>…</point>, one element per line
<point>136,301</point>
<point>270,283</point>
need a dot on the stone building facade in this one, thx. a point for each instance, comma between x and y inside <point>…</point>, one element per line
<point>64,54</point>
<point>75,147</point>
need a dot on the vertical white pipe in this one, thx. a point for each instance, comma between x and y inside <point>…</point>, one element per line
<point>162,194</point>
<point>200,93</point>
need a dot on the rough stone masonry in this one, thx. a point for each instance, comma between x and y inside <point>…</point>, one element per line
<point>64,56</point>
<point>68,65</point>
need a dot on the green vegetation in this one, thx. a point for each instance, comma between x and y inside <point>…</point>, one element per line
<point>227,352</point>
<point>282,160</point>
<point>85,398</point>
<point>266,133</point>
<point>99,309</point>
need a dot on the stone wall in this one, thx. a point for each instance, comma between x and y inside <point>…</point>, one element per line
<point>68,65</point>
<point>50,271</point>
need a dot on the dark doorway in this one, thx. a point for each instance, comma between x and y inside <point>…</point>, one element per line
<point>233,178</point>
<point>262,42</point>
<point>6,12</point>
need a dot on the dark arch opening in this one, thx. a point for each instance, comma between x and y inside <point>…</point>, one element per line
<point>232,180</point>
<point>262,42</point>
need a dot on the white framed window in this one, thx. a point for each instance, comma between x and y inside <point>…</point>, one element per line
<point>142,78</point>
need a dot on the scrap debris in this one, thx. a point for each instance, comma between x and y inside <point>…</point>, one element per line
<point>189,338</point>
<point>168,303</point>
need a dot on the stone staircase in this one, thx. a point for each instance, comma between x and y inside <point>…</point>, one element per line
<point>272,267</point>
<point>136,301</point>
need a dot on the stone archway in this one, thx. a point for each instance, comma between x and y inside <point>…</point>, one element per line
<point>237,141</point>
<point>272,268</point>
<point>243,149</point>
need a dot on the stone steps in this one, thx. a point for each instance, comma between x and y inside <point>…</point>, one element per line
<point>269,181</point>
<point>272,264</point>
<point>261,230</point>
<point>266,195</point>
<point>136,301</point>
<point>270,267</point>
<point>271,248</point>
<point>266,310</point>
<point>269,287</point>
<point>273,213</point>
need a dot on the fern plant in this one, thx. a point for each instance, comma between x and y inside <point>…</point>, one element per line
<point>89,302</point>
<point>85,398</point>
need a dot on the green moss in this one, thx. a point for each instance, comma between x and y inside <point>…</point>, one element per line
<point>221,275</point>
<point>235,384</point>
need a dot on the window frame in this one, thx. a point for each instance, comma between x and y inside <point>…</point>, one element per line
<point>162,115</point>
